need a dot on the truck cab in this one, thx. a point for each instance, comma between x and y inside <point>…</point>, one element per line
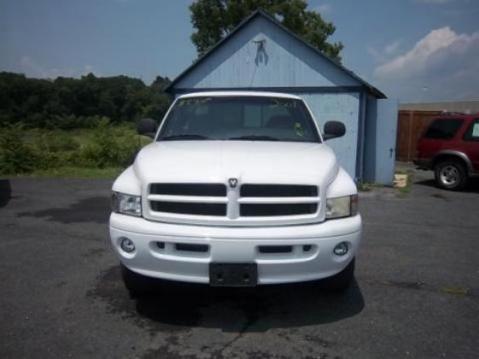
<point>236,189</point>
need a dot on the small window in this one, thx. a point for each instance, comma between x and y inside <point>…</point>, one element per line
<point>443,129</point>
<point>472,133</point>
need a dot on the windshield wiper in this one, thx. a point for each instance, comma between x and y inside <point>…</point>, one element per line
<point>255,138</point>
<point>183,137</point>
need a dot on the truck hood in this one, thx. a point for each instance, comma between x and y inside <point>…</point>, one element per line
<point>248,161</point>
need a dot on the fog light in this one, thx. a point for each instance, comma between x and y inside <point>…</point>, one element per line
<point>127,245</point>
<point>341,249</point>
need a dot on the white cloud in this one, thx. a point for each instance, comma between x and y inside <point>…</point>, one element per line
<point>87,69</point>
<point>33,68</point>
<point>386,52</point>
<point>444,62</point>
<point>392,47</point>
<point>418,56</point>
<point>324,9</point>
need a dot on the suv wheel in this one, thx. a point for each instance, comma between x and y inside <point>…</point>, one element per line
<point>450,175</point>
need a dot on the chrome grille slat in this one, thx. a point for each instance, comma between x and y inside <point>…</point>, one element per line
<point>278,200</point>
<point>186,199</point>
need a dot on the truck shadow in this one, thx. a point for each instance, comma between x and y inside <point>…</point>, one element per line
<point>249,309</point>
<point>471,187</point>
<point>5,192</point>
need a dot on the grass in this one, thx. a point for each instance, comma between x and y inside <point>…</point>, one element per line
<point>79,172</point>
<point>459,291</point>
<point>70,172</point>
<point>368,186</point>
<point>83,136</point>
<point>68,150</point>
<point>403,192</point>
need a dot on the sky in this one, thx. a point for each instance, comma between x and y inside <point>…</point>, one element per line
<point>413,50</point>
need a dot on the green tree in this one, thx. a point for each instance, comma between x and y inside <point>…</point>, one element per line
<point>160,83</point>
<point>70,103</point>
<point>214,19</point>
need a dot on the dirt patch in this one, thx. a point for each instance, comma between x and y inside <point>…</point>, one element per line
<point>94,209</point>
<point>110,289</point>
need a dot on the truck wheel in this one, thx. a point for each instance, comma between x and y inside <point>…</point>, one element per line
<point>341,281</point>
<point>137,284</point>
<point>450,174</point>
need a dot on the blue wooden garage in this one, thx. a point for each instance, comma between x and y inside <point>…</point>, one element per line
<point>262,55</point>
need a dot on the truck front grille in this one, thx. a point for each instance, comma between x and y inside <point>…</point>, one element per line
<point>245,204</point>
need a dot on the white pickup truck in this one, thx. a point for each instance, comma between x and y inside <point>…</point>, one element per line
<point>237,189</point>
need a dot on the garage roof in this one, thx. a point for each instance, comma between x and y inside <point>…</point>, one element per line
<point>261,13</point>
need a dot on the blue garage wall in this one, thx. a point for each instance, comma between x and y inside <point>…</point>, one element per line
<point>370,140</point>
<point>338,107</point>
<point>283,61</point>
<point>261,54</point>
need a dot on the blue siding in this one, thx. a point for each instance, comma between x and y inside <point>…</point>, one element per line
<point>370,141</point>
<point>285,61</point>
<point>338,107</point>
<point>386,127</point>
<point>381,141</point>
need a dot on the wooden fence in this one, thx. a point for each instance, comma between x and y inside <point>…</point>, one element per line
<point>411,125</point>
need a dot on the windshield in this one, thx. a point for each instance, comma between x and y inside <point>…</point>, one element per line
<point>248,118</point>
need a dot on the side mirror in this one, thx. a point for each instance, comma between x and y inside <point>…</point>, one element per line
<point>147,127</point>
<point>333,129</point>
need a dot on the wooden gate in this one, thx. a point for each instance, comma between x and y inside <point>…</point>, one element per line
<point>411,125</point>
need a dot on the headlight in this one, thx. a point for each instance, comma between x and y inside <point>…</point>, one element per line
<point>339,207</point>
<point>126,204</point>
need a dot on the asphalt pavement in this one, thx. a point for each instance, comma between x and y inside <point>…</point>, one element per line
<point>416,293</point>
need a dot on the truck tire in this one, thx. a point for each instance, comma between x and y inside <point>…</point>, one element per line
<point>136,284</point>
<point>450,174</point>
<point>343,280</point>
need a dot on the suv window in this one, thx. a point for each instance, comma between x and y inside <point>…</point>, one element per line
<point>472,133</point>
<point>443,128</point>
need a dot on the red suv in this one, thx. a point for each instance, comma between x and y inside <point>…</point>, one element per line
<point>450,147</point>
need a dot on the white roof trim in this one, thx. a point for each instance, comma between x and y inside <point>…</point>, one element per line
<point>239,93</point>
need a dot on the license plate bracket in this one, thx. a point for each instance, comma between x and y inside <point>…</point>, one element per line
<point>233,274</point>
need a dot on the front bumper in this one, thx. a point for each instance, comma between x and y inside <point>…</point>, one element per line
<point>311,256</point>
